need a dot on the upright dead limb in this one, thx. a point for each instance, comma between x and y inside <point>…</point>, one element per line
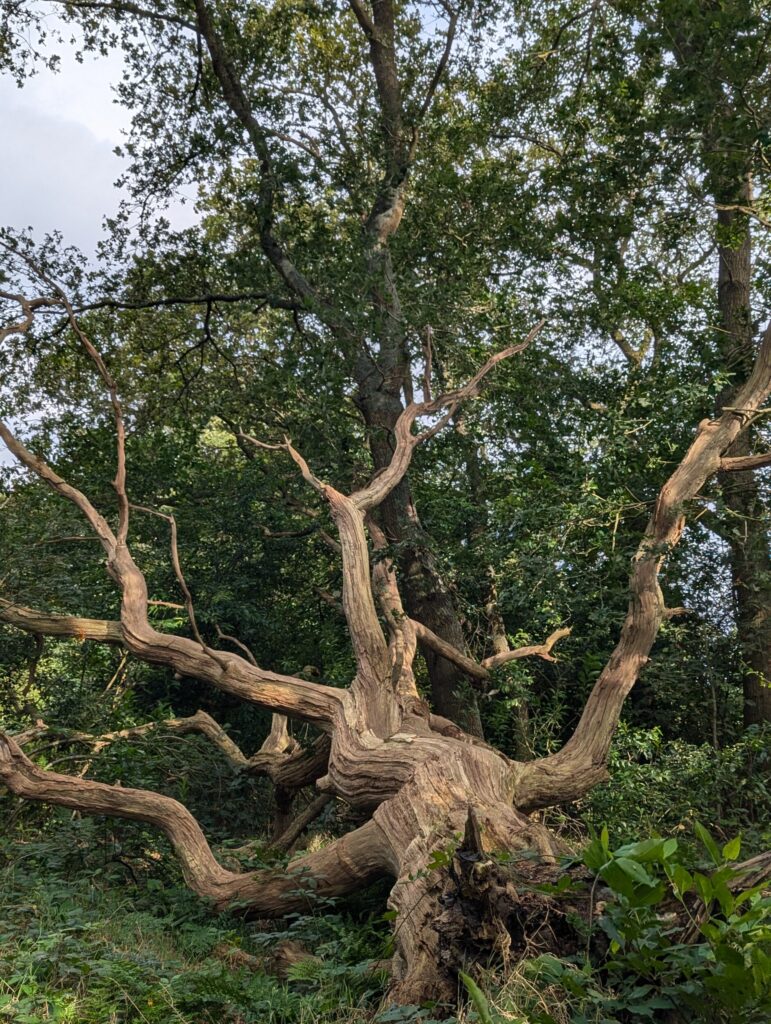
<point>581,763</point>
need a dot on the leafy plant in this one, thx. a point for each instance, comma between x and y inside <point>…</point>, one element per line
<point>680,938</point>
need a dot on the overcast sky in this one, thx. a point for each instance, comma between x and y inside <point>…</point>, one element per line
<point>58,168</point>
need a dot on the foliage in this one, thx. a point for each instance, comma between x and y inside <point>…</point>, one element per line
<point>573,164</point>
<point>672,940</point>
<point>88,936</point>
<point>672,783</point>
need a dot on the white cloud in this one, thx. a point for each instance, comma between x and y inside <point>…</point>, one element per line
<point>55,175</point>
<point>57,165</point>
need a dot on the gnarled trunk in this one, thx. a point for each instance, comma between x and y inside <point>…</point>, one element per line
<point>423,781</point>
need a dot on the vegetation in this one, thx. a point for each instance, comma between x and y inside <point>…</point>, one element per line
<point>385,569</point>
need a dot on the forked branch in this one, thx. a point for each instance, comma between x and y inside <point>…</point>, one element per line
<point>280,757</point>
<point>381,485</point>
<point>228,672</point>
<point>383,672</point>
<point>480,670</point>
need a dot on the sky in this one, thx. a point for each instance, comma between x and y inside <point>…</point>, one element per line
<point>58,168</point>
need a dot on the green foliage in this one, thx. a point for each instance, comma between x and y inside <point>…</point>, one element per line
<point>649,966</point>
<point>671,783</point>
<point>90,936</point>
<point>674,939</point>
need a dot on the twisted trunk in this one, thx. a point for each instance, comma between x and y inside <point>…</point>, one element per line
<point>423,782</point>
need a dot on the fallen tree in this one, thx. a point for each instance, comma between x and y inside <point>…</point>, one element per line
<point>424,786</point>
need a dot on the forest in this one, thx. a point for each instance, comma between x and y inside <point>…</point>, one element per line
<point>385,565</point>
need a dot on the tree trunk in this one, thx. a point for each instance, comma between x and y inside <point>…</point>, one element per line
<point>426,597</point>
<point>442,803</point>
<point>746,529</point>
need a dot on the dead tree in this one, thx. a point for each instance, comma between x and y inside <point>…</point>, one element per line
<point>424,785</point>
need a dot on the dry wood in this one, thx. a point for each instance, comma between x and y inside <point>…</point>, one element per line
<point>419,777</point>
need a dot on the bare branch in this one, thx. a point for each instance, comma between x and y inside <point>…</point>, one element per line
<point>278,741</point>
<point>280,757</point>
<point>28,307</point>
<point>337,869</point>
<point>241,646</point>
<point>265,298</point>
<point>228,672</point>
<point>97,522</point>
<point>441,67</point>
<point>580,764</point>
<point>125,7</point>
<point>119,482</point>
<point>481,670</point>
<point>373,663</point>
<point>292,833</point>
<point>51,624</point>
<point>200,722</point>
<point>363,18</point>
<point>403,644</point>
<point>384,482</point>
<point>62,299</point>
<point>176,565</point>
<point>428,349</point>
<point>744,462</point>
<point>472,668</point>
<point>748,211</point>
<point>534,650</point>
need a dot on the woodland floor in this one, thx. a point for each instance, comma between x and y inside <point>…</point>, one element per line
<point>96,926</point>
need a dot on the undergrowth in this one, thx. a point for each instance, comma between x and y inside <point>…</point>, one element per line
<point>91,937</point>
<point>97,926</point>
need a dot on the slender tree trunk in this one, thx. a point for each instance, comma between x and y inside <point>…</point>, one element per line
<point>748,523</point>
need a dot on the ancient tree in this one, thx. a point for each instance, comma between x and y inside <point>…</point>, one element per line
<point>420,778</point>
<point>325,255</point>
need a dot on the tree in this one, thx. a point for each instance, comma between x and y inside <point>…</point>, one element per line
<point>424,780</point>
<point>338,267</point>
<point>667,115</point>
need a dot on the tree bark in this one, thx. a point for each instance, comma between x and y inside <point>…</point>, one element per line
<point>426,596</point>
<point>747,525</point>
<point>425,783</point>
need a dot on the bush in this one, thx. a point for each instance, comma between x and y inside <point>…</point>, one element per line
<point>670,784</point>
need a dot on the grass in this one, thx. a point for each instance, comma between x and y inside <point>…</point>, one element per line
<point>94,937</point>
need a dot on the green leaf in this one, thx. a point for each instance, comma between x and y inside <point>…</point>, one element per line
<point>732,848</point>
<point>605,838</point>
<point>635,871</point>
<point>478,998</point>
<point>704,887</point>
<point>708,841</point>
<point>595,856</point>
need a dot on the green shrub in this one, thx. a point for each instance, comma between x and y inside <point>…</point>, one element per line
<point>671,784</point>
<point>674,942</point>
